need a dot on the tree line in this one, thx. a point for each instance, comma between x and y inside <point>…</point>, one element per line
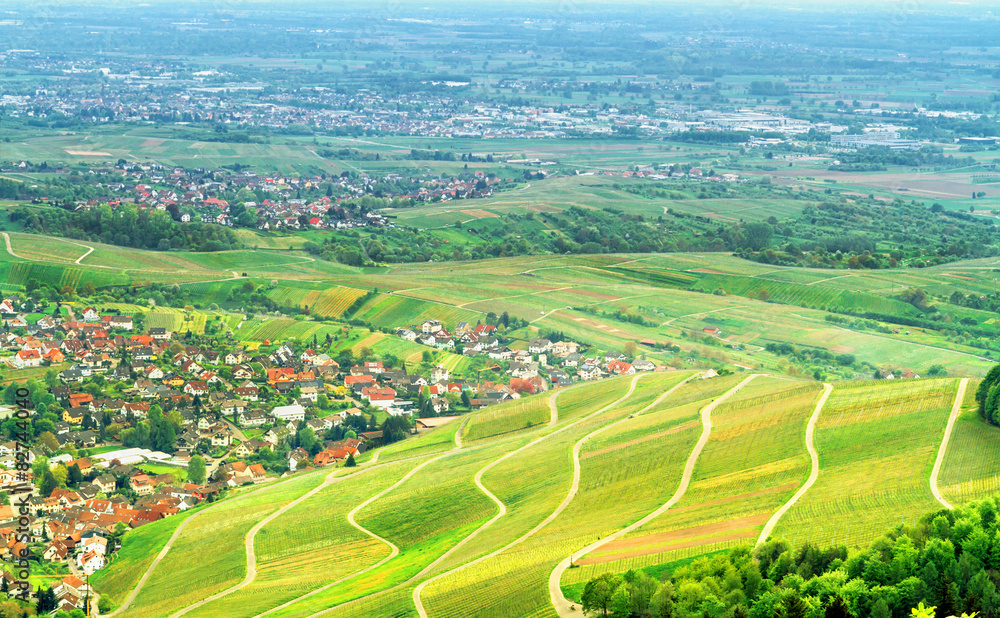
<point>947,564</point>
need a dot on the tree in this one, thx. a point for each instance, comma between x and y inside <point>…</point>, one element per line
<point>757,235</point>
<point>598,592</point>
<point>992,377</point>
<point>74,476</point>
<point>46,600</point>
<point>47,484</point>
<point>630,349</point>
<point>838,609</point>
<point>394,429</point>
<point>61,473</point>
<point>350,463</point>
<point>306,438</point>
<point>196,470</point>
<point>49,441</point>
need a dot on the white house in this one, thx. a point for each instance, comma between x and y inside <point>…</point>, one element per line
<point>294,412</point>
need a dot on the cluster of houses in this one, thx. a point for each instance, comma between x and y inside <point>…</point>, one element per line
<point>542,364</point>
<point>207,196</point>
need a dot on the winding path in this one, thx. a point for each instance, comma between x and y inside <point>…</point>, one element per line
<point>813,474</point>
<point>394,550</point>
<point>559,601</point>
<point>956,409</point>
<point>503,508</point>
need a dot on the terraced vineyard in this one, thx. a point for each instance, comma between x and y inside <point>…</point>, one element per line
<point>877,442</point>
<point>475,526</point>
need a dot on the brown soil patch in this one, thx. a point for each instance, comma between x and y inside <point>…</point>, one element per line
<point>686,534</point>
<point>961,277</point>
<point>842,349</point>
<point>749,534</point>
<point>593,294</point>
<point>543,208</point>
<point>152,143</point>
<point>88,153</point>
<point>479,213</point>
<point>708,271</point>
<point>620,446</point>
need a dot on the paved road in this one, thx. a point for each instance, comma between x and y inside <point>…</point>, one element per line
<point>956,409</point>
<point>813,474</point>
<point>564,607</point>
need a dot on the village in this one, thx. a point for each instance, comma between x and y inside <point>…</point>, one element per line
<point>267,202</point>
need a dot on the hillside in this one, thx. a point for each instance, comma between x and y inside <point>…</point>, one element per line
<point>446,525</point>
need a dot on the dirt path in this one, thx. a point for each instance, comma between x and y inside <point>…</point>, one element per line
<point>828,279</point>
<point>813,473</point>
<point>371,464</point>
<point>701,313</point>
<point>563,606</point>
<point>10,250</point>
<point>503,509</point>
<point>149,571</point>
<point>956,409</point>
<point>89,251</point>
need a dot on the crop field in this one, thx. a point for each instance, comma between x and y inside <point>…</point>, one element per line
<point>754,460</point>
<point>172,320</point>
<point>396,310</point>
<point>972,461</point>
<point>281,329</point>
<point>310,545</point>
<point>326,301</point>
<point>134,558</point>
<point>433,441</point>
<point>508,416</point>
<point>188,572</point>
<point>424,517</point>
<point>814,296</point>
<point>514,583</point>
<point>877,443</point>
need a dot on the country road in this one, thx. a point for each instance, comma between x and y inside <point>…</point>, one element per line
<point>956,409</point>
<point>563,606</point>
<point>813,472</point>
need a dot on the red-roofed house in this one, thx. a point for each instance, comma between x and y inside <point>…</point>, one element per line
<point>27,358</point>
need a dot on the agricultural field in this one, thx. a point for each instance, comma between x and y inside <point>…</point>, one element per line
<point>753,461</point>
<point>310,545</point>
<point>863,491</point>
<point>506,417</point>
<point>514,580</point>
<point>633,445</point>
<point>971,467</point>
<point>189,573</point>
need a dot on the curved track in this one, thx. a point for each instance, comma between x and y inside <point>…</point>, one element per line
<point>503,509</point>
<point>813,473</point>
<point>559,601</point>
<point>956,409</point>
